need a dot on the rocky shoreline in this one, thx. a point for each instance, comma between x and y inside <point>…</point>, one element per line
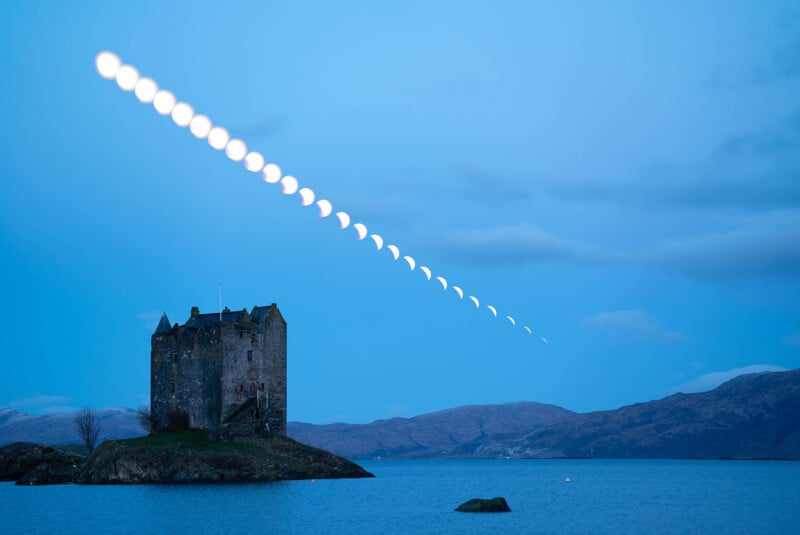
<point>184,457</point>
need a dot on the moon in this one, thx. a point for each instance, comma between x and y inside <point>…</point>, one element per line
<point>182,114</point>
<point>344,219</point>
<point>200,126</point>
<point>236,150</point>
<point>145,90</point>
<point>254,162</point>
<point>107,64</point>
<point>325,207</point>
<point>306,196</point>
<point>218,137</point>
<point>164,101</point>
<point>272,172</point>
<point>361,229</point>
<point>127,77</point>
<point>289,184</point>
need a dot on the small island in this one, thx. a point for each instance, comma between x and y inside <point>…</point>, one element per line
<point>194,457</point>
<point>217,414</point>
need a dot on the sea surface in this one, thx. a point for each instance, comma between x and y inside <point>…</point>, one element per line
<point>602,496</point>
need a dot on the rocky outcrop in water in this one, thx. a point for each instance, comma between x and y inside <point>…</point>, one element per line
<point>482,505</point>
<point>31,464</point>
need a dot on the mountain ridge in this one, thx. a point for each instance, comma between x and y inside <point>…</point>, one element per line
<point>750,416</point>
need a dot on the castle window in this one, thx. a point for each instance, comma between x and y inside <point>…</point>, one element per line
<point>249,356</point>
<point>262,386</point>
<point>172,387</point>
<point>174,358</point>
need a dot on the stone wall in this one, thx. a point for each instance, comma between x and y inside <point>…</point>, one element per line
<point>210,372</point>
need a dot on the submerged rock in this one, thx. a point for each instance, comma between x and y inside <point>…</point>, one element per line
<point>194,457</point>
<point>481,505</point>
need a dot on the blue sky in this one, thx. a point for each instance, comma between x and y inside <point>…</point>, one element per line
<point>624,178</point>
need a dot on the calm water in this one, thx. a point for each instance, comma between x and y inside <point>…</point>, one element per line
<point>419,497</point>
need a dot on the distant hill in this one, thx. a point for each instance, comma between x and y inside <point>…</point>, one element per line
<point>59,428</point>
<point>751,416</point>
<point>440,434</point>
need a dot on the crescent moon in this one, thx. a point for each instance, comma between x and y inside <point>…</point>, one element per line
<point>344,219</point>
<point>443,281</point>
<point>361,229</point>
<point>395,251</point>
<point>411,263</point>
<point>492,310</point>
<point>325,208</point>
<point>527,329</point>
<point>426,271</point>
<point>306,196</point>
<point>509,318</point>
<point>289,184</point>
<point>459,291</point>
<point>545,340</point>
<point>475,300</point>
<point>378,241</point>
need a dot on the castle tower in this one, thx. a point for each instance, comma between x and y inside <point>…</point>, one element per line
<point>220,371</point>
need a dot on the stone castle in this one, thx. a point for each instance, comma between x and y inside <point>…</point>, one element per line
<point>224,371</point>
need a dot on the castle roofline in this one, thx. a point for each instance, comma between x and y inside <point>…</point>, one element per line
<point>163,325</point>
<point>241,317</point>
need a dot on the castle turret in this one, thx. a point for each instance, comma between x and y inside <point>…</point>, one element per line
<point>163,325</point>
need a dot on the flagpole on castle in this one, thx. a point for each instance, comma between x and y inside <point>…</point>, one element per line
<point>220,301</point>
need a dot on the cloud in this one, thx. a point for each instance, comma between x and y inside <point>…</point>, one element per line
<point>764,247</point>
<point>513,244</point>
<point>793,340</point>
<point>43,404</point>
<point>636,322</point>
<point>753,170</point>
<point>783,60</point>
<point>39,400</point>
<point>488,188</point>
<point>751,252</point>
<point>710,381</point>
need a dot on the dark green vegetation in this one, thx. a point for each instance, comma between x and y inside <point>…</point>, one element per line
<point>482,505</point>
<point>31,464</point>
<point>192,456</point>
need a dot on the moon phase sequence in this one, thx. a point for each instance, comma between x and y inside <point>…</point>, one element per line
<point>146,90</point>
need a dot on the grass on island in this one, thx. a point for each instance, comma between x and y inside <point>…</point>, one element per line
<point>197,443</point>
<point>196,440</point>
